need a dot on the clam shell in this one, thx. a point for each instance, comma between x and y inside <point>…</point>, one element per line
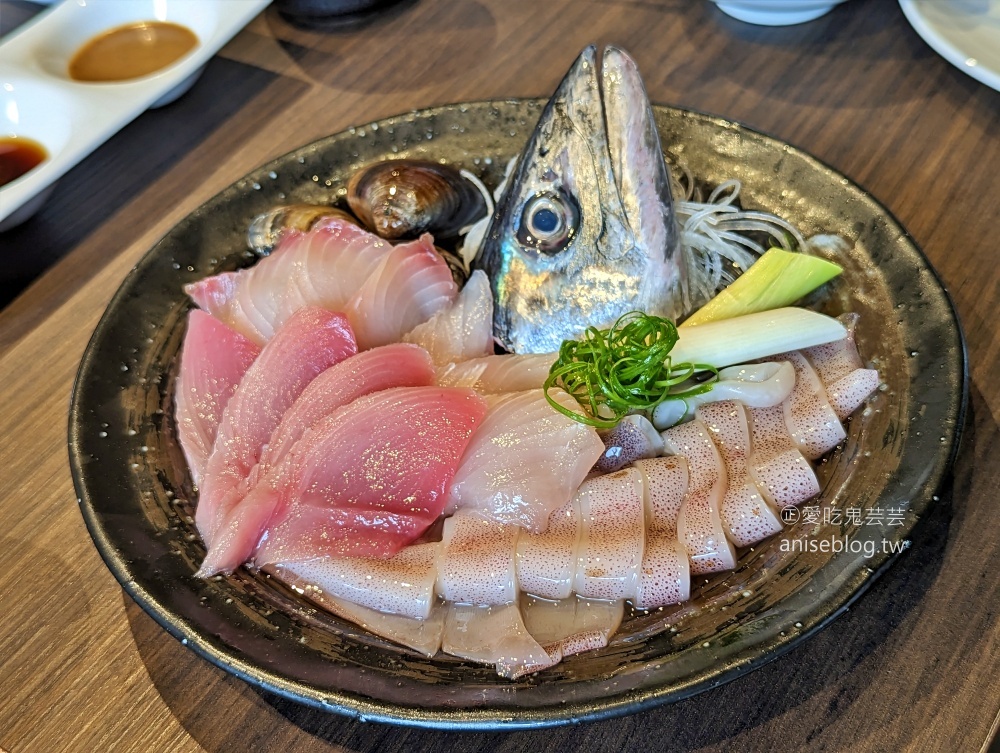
<point>403,198</point>
<point>265,230</point>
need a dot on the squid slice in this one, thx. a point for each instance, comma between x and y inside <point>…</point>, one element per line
<point>462,331</point>
<point>524,461</point>
<point>490,375</point>
<point>401,585</point>
<point>571,626</point>
<point>477,563</point>
<point>812,423</point>
<point>783,475</point>
<point>746,515</point>
<point>665,573</point>
<point>493,635</point>
<point>839,365</point>
<point>632,439</point>
<point>546,562</point>
<point>609,552</point>
<point>699,525</point>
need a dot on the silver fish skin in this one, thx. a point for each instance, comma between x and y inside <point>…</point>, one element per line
<point>585,230</point>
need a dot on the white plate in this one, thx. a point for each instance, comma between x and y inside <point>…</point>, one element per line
<point>966,33</point>
<point>38,99</point>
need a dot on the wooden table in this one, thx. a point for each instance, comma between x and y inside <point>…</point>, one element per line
<point>915,665</point>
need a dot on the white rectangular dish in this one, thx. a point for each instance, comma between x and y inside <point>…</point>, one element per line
<point>70,118</point>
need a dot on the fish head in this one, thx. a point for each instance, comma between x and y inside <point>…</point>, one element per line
<point>585,230</point>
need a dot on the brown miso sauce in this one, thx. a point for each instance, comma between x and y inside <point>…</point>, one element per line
<point>18,156</point>
<point>131,51</point>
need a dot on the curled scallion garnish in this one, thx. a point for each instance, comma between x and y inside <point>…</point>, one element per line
<point>621,370</point>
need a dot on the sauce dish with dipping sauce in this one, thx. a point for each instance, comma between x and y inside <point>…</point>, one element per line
<point>58,88</point>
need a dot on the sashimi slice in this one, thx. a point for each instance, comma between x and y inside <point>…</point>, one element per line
<point>311,341</point>
<point>665,573</point>
<point>525,461</point>
<point>398,365</point>
<point>323,267</point>
<point>476,562</point>
<point>746,516</point>
<point>422,635</point>
<point>612,538</point>
<point>214,359</point>
<point>462,331</point>
<point>409,286</point>
<point>699,524</point>
<point>839,366</point>
<point>634,438</point>
<point>783,475</point>
<point>491,375</point>
<point>370,478</point>
<point>493,635</point>
<point>403,584</point>
<point>546,562</point>
<point>571,626</point>
<point>812,423</point>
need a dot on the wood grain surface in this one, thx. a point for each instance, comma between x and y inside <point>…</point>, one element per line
<point>914,666</point>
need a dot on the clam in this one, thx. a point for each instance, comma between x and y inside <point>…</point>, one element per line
<point>403,198</point>
<point>266,229</point>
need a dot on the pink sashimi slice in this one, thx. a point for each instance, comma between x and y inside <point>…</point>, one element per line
<point>462,331</point>
<point>398,365</point>
<point>214,359</point>
<point>525,461</point>
<point>323,267</point>
<point>410,285</point>
<point>311,341</point>
<point>491,375</point>
<point>699,525</point>
<point>368,479</point>
<point>746,515</point>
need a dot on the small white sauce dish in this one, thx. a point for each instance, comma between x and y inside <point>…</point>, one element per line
<point>70,118</point>
<point>776,12</point>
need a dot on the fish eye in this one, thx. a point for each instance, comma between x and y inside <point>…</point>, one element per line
<point>548,223</point>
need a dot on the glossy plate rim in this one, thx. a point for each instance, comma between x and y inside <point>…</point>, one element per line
<point>135,576</point>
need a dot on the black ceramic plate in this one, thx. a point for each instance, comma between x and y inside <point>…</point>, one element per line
<point>136,492</point>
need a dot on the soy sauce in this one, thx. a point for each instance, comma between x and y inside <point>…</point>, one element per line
<point>18,155</point>
<point>131,51</point>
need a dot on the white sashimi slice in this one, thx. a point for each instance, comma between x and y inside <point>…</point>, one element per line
<point>493,635</point>
<point>402,584</point>
<point>462,331</point>
<point>699,525</point>
<point>410,285</point>
<point>422,635</point>
<point>571,626</point>
<point>214,359</point>
<point>491,375</point>
<point>746,516</point>
<point>784,477</point>
<point>812,423</point>
<point>525,461</point>
<point>476,561</point>
<point>634,438</point>
<point>369,478</point>
<point>839,366</point>
<point>612,537</point>
<point>323,267</point>
<point>310,342</point>
<point>398,365</point>
<point>665,573</point>
<point>546,562</point>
